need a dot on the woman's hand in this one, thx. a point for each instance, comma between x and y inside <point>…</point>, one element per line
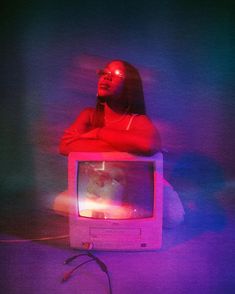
<point>70,136</point>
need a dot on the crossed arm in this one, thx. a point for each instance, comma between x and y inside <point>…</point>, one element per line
<point>142,138</point>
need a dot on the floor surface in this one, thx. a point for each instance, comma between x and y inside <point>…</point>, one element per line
<point>196,257</point>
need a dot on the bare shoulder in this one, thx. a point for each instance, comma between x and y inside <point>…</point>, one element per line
<point>86,114</point>
<point>142,122</point>
<point>88,111</point>
<point>84,119</point>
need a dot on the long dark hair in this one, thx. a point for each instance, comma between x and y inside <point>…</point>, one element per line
<point>131,98</point>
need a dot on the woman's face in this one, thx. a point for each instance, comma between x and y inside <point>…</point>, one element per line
<point>111,81</point>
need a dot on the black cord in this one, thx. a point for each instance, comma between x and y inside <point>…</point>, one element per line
<point>103,267</point>
<point>99,262</point>
<point>69,274</point>
<point>68,260</point>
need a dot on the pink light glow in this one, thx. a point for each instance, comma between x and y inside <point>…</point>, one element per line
<point>107,210</point>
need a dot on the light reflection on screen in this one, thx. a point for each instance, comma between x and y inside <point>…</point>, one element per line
<point>115,190</point>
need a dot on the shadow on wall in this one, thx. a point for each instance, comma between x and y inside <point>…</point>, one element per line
<point>17,167</point>
<point>198,170</point>
<point>200,182</point>
<point>199,179</point>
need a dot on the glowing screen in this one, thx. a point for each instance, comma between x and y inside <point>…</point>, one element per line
<point>115,190</point>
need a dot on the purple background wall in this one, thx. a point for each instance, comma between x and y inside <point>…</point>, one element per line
<point>50,54</point>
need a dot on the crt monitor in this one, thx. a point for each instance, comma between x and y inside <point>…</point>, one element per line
<point>115,201</point>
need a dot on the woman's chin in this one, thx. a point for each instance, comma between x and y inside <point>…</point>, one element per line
<point>103,93</point>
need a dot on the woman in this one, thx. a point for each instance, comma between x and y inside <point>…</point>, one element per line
<point>119,123</point>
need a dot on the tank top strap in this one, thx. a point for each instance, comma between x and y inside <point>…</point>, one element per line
<point>130,121</point>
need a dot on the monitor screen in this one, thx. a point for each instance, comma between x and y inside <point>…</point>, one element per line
<point>115,189</point>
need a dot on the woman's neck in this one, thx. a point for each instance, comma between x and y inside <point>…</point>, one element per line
<point>111,115</point>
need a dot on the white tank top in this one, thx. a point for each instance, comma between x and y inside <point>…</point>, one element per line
<point>130,122</point>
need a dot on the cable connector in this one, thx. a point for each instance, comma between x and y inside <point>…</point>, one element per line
<point>66,276</point>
